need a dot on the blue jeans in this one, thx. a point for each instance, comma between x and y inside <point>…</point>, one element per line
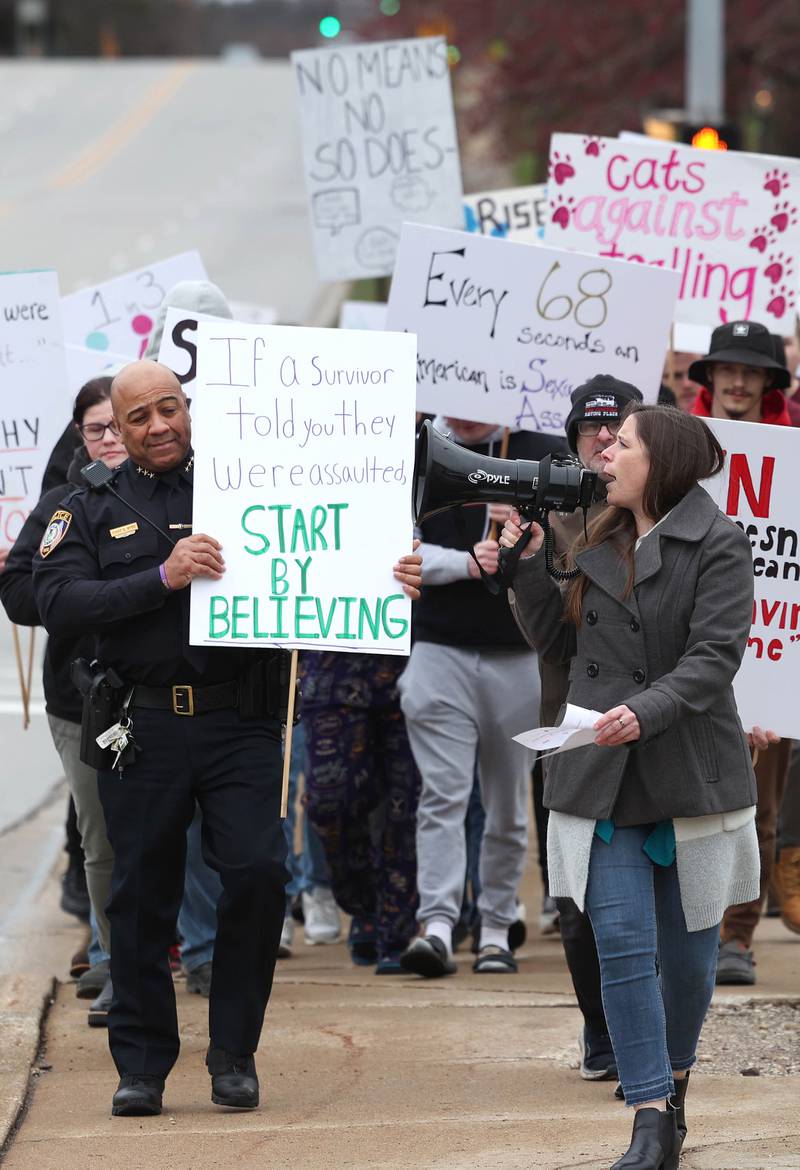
<point>308,868</point>
<point>657,978</point>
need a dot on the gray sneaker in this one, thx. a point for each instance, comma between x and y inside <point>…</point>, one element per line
<point>735,964</point>
<point>92,982</point>
<point>198,981</point>
<point>98,1011</point>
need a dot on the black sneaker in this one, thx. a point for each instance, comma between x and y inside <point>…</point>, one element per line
<point>233,1079</point>
<point>138,1096</point>
<point>198,981</point>
<point>74,894</point>
<point>427,957</point>
<point>598,1062</point>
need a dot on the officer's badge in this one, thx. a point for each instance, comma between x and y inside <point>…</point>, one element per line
<point>55,532</point>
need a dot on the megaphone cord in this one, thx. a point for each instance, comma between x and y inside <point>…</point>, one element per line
<point>549,562</point>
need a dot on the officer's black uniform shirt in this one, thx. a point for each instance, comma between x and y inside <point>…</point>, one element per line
<point>102,575</point>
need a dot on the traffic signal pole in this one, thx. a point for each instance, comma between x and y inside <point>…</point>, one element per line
<point>705,61</point>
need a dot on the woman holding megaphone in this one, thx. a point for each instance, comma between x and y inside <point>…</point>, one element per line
<point>651,826</point>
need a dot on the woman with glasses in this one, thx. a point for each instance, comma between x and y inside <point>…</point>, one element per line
<point>652,826</point>
<point>92,421</point>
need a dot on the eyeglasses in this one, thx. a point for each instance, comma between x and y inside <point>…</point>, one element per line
<point>589,429</point>
<point>97,430</point>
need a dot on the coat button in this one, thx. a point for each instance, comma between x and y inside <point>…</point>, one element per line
<point>591,617</point>
<point>638,676</point>
<point>592,670</point>
<point>635,627</point>
<point>127,556</point>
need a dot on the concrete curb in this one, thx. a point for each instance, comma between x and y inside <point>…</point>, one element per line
<point>24,1003</point>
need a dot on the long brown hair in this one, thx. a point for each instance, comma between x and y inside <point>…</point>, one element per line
<point>682,450</point>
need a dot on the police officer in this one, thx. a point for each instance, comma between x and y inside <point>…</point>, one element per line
<point>203,730</point>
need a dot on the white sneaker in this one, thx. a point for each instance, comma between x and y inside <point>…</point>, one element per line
<point>287,934</point>
<point>322,921</point>
<point>548,919</point>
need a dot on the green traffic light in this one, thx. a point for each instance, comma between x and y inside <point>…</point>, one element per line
<point>330,26</point>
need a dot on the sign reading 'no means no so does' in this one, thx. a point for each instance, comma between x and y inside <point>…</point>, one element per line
<point>506,331</point>
<point>304,452</point>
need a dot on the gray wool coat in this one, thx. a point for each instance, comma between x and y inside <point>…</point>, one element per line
<point>669,651</point>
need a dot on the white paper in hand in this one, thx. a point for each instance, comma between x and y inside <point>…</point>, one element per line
<point>575,730</point>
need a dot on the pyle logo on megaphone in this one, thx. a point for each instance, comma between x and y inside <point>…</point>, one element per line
<point>481,476</point>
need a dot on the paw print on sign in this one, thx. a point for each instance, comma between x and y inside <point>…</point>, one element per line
<point>562,210</point>
<point>776,181</point>
<point>777,306</point>
<point>764,237</point>
<point>784,215</point>
<point>593,146</point>
<point>780,266</point>
<point>561,168</point>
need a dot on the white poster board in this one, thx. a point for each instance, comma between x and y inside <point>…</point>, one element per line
<point>304,452</point>
<point>758,490</point>
<point>362,315</point>
<point>514,213</point>
<point>379,147</point>
<point>119,314</point>
<point>505,331</point>
<point>728,223</point>
<point>34,393</point>
<point>84,364</point>
<point>178,348</point>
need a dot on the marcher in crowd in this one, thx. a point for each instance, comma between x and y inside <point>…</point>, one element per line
<point>592,426</point>
<point>677,379</point>
<point>92,423</point>
<point>654,625</point>
<point>362,788</point>
<point>206,729</point>
<point>742,380</point>
<point>470,685</point>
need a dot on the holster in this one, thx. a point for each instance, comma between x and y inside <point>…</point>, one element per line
<point>103,694</point>
<point>264,688</point>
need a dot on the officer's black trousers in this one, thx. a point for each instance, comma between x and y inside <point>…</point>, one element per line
<point>232,767</point>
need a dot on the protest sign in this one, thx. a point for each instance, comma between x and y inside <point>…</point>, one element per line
<point>379,146</point>
<point>84,363</point>
<point>515,213</point>
<point>119,314</point>
<point>34,396</point>
<point>727,222</point>
<point>304,451</point>
<point>758,490</point>
<point>505,331</point>
<point>362,315</point>
<point>178,349</point>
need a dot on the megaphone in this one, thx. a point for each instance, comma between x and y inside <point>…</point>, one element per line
<point>447,475</point>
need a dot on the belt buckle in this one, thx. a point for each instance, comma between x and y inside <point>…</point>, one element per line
<point>183,700</point>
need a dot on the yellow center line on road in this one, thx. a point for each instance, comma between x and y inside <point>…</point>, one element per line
<point>109,144</point>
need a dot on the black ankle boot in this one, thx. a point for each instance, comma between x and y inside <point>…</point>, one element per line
<point>233,1079</point>
<point>654,1143</point>
<point>678,1103</point>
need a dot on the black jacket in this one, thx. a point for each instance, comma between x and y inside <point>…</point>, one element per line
<point>463,613</point>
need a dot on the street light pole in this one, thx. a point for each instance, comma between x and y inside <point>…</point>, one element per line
<point>705,61</point>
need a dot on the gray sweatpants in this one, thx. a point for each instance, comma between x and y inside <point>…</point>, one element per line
<point>82,783</point>
<point>461,704</point>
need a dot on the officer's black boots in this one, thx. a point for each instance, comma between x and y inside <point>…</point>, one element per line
<point>138,1096</point>
<point>233,1079</point>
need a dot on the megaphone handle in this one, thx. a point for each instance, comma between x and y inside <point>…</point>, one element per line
<point>509,557</point>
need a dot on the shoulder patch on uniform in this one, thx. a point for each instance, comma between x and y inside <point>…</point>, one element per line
<point>55,532</point>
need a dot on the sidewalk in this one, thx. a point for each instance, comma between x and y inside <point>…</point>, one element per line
<point>468,1073</point>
